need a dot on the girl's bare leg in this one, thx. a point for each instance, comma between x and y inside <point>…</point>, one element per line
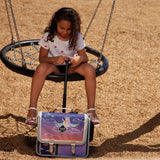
<point>37,83</point>
<point>89,74</point>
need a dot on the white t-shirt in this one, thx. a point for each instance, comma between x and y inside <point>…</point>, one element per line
<point>59,47</point>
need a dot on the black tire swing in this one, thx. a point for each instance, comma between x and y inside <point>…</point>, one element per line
<point>53,77</point>
<point>23,62</point>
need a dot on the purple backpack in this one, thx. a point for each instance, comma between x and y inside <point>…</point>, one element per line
<point>63,134</point>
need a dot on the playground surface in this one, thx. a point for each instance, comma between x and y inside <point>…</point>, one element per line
<point>128,94</point>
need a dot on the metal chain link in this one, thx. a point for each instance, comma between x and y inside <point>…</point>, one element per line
<point>105,37</point>
<point>92,19</point>
<point>16,30</point>
<point>10,25</point>
<point>28,55</point>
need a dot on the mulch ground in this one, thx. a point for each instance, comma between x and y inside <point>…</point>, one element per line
<point>128,94</point>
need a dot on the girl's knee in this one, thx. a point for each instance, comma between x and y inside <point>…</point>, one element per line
<point>42,68</point>
<point>90,71</point>
<point>46,69</point>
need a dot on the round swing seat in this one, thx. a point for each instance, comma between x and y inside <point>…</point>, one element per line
<point>15,64</point>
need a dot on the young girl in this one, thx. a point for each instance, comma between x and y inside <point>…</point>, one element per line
<point>62,40</point>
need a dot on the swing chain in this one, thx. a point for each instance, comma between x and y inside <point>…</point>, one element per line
<point>16,30</point>
<point>10,25</point>
<point>92,19</point>
<point>105,37</point>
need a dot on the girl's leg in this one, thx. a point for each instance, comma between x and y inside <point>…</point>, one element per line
<point>37,83</point>
<point>89,74</point>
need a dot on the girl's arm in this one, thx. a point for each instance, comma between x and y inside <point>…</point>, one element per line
<point>43,57</point>
<point>81,58</point>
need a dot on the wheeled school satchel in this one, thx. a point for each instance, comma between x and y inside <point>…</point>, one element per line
<point>63,134</point>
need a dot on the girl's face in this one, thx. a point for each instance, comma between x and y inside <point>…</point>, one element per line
<point>63,29</point>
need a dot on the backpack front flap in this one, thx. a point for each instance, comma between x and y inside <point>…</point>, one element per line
<point>62,128</point>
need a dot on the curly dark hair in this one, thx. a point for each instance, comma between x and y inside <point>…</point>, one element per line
<point>70,15</point>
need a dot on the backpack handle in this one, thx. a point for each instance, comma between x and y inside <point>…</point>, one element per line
<point>62,109</point>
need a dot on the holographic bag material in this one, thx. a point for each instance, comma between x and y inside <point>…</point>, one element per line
<point>63,134</point>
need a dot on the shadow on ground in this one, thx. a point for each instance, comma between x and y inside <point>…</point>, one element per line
<point>25,144</point>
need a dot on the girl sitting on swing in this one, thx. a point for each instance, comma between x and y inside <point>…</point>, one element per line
<point>62,40</point>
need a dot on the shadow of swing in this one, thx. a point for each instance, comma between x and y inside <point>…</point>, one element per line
<point>118,144</point>
<point>25,144</point>
<point>17,118</point>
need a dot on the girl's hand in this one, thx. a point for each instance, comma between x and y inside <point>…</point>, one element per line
<point>75,61</point>
<point>81,58</point>
<point>60,59</point>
